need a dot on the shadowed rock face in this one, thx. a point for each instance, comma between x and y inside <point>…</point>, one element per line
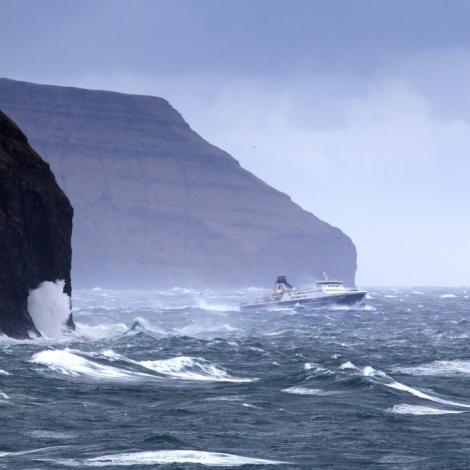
<point>156,205</point>
<point>35,229</point>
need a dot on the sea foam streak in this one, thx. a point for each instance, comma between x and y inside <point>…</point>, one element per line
<point>162,457</point>
<point>438,368</point>
<point>417,410</point>
<point>307,391</point>
<point>384,379</point>
<point>424,396</point>
<point>31,451</point>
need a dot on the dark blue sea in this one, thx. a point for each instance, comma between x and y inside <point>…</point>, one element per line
<point>180,379</point>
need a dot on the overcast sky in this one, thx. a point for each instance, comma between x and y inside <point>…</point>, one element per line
<point>359,110</point>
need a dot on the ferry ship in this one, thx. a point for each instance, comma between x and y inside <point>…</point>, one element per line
<point>322,293</point>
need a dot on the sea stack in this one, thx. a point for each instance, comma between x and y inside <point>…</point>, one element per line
<point>35,230</point>
<point>156,205</point>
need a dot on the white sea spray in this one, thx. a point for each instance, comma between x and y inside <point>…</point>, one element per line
<point>49,308</point>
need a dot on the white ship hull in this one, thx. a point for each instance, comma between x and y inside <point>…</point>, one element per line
<point>313,299</point>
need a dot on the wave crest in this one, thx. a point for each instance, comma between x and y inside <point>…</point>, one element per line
<point>68,363</point>
<point>162,457</point>
<point>76,364</point>
<point>382,378</point>
<point>191,368</point>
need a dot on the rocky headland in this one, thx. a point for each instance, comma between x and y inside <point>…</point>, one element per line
<point>156,205</point>
<point>35,230</point>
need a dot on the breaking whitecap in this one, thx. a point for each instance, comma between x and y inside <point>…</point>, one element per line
<point>190,368</point>
<point>347,365</point>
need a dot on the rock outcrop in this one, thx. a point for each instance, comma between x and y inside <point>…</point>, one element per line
<point>35,229</point>
<point>157,205</point>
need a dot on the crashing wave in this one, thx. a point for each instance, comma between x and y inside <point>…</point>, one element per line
<point>49,308</point>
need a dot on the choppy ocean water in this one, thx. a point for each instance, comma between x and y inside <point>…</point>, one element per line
<point>182,379</point>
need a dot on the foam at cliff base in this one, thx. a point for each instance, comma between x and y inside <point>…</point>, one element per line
<point>162,457</point>
<point>49,308</point>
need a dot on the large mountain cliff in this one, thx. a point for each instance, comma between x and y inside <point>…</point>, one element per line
<point>157,205</point>
<point>35,229</point>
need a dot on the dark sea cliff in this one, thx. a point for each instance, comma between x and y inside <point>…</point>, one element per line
<point>181,379</point>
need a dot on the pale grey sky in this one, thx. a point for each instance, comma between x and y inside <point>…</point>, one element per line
<point>359,110</point>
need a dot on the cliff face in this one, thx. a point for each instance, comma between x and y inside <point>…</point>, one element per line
<point>35,229</point>
<point>156,205</point>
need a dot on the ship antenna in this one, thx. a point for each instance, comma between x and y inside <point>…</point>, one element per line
<point>325,276</point>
